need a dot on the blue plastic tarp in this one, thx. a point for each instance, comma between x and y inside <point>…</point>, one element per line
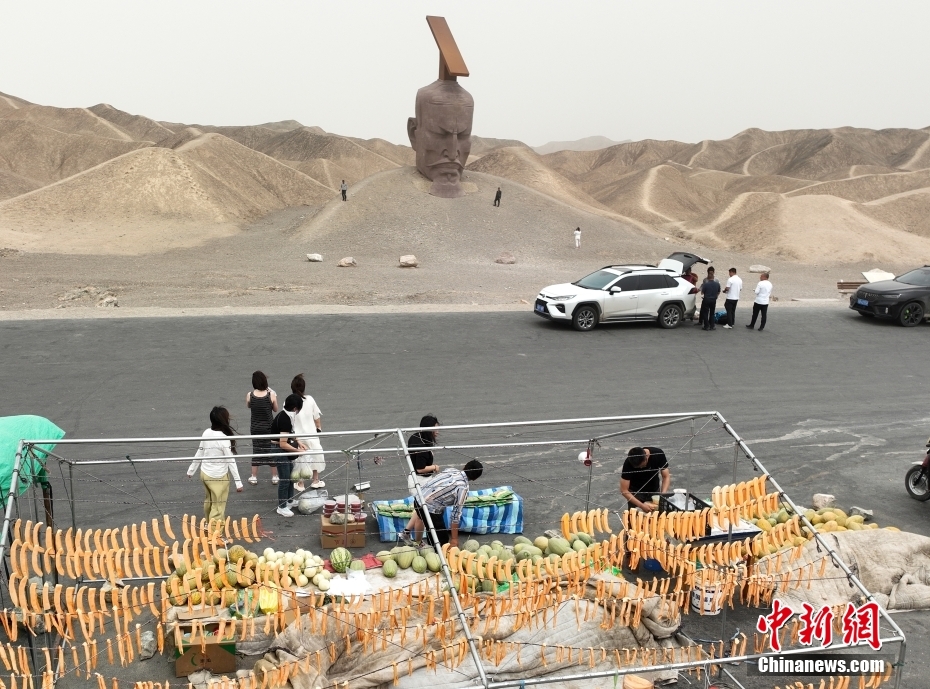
<point>13,429</point>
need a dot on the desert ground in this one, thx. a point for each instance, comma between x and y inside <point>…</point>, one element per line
<point>96,203</point>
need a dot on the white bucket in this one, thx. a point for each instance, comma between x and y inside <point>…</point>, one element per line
<point>704,600</point>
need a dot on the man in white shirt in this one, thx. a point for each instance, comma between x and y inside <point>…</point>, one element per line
<point>734,285</point>
<point>761,304</point>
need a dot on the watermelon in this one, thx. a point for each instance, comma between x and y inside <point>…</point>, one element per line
<point>357,565</point>
<point>340,559</point>
<point>389,569</point>
<point>419,564</point>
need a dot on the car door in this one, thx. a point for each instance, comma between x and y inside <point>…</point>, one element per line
<point>653,292</point>
<point>621,298</point>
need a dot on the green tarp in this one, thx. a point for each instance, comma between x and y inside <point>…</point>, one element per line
<point>12,430</point>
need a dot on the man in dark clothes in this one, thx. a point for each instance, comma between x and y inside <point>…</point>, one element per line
<point>710,290</point>
<point>343,188</point>
<point>497,197</point>
<point>644,474</point>
<point>283,424</point>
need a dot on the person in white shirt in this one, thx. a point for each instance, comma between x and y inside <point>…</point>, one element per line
<point>761,304</point>
<point>308,421</point>
<point>577,233</point>
<point>734,285</point>
<point>216,460</point>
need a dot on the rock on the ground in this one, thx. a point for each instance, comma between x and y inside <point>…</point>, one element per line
<point>409,261</point>
<point>148,645</point>
<point>108,301</point>
<point>759,268</point>
<point>347,262</point>
<point>821,500</point>
<point>315,258</point>
<point>200,679</point>
<point>860,511</point>
<point>506,258</point>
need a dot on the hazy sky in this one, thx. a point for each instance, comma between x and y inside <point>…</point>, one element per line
<point>541,71</point>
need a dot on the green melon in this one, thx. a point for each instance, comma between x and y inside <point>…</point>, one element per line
<point>419,564</point>
<point>389,569</point>
<point>340,559</point>
<point>405,558</point>
<point>357,565</point>
<point>433,563</point>
<point>522,539</point>
<point>385,555</point>
<point>472,545</point>
<point>542,542</point>
<point>559,546</point>
<point>488,586</point>
<point>585,538</point>
<point>497,545</point>
<point>579,546</point>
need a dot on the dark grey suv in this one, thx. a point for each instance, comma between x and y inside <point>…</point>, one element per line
<point>906,299</point>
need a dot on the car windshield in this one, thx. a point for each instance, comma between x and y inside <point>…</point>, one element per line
<point>919,278</point>
<point>598,280</point>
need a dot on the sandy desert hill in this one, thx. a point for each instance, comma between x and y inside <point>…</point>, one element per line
<point>841,195</point>
<point>588,143</point>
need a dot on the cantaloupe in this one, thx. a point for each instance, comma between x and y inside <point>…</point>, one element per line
<point>472,545</point>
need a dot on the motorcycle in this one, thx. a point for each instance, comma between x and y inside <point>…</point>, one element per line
<point>917,478</point>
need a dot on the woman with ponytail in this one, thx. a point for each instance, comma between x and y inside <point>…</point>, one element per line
<point>216,460</point>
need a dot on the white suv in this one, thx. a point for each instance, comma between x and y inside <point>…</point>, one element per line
<point>624,293</point>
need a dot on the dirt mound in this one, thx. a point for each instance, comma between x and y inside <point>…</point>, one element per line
<point>68,120</point>
<point>870,187</point>
<point>12,184</point>
<point>658,194</point>
<point>155,199</point>
<point>589,143</point>
<point>402,155</point>
<point>521,164</point>
<point>8,103</point>
<point>391,214</point>
<point>305,146</point>
<point>41,155</point>
<point>482,145</point>
<point>138,127</point>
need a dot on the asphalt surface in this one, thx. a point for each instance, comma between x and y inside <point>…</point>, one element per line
<point>829,401</point>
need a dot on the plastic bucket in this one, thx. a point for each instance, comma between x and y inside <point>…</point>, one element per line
<point>704,600</point>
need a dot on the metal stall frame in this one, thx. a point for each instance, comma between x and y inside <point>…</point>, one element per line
<point>589,443</point>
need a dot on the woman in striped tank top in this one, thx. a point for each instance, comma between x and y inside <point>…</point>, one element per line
<point>263,404</point>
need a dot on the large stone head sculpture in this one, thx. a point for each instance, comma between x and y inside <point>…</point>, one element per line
<point>440,134</point>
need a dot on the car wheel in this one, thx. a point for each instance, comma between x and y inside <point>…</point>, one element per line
<point>584,318</point>
<point>911,314</point>
<point>670,316</point>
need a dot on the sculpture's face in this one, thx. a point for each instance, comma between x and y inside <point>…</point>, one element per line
<point>441,135</point>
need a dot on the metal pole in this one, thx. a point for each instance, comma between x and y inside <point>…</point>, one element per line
<point>11,494</point>
<point>453,594</point>
<point>837,560</point>
<point>587,497</point>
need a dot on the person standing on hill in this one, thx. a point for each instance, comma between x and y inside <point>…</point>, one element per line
<point>734,285</point>
<point>343,188</point>
<point>263,404</point>
<point>577,234</point>
<point>216,460</point>
<point>497,197</point>
<point>761,305</point>
<point>710,290</point>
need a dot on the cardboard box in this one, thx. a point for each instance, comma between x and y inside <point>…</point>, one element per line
<point>342,535</point>
<point>214,654</point>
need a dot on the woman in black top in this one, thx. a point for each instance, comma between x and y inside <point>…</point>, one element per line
<point>422,460</point>
<point>263,404</point>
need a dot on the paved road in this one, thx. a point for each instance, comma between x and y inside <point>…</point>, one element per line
<point>828,400</point>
